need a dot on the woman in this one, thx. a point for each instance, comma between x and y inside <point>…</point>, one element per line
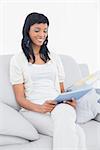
<point>37,77</point>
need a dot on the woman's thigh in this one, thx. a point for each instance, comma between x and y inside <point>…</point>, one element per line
<point>42,122</point>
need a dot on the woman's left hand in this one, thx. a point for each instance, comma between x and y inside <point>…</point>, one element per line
<point>71,102</point>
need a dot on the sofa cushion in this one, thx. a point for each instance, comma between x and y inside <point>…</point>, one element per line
<point>8,140</point>
<point>87,107</point>
<point>44,143</point>
<point>97,118</point>
<point>14,124</point>
<point>6,91</point>
<point>92,132</point>
<point>72,70</point>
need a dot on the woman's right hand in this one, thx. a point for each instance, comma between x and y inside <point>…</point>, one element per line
<point>47,106</point>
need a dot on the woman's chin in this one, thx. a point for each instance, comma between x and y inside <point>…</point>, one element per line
<point>39,44</point>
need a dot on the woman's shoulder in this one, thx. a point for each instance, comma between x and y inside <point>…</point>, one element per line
<point>53,55</point>
<point>18,58</point>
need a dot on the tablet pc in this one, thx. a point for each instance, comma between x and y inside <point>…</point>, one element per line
<point>77,94</point>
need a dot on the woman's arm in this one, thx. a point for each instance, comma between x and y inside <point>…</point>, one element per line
<point>62,87</point>
<point>27,104</point>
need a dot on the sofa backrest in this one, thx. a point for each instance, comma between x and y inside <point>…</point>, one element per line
<point>72,72</point>
<point>6,91</point>
<point>84,70</point>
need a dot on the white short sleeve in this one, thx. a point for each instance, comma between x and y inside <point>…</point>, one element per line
<point>16,76</point>
<point>61,73</point>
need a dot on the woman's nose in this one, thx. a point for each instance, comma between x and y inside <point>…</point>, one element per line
<point>41,34</point>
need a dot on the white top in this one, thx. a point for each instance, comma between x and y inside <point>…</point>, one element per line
<point>41,81</point>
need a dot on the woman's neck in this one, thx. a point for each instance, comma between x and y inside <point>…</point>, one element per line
<point>36,50</point>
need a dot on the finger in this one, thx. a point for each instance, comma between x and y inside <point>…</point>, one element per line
<point>73,99</point>
<point>49,106</point>
<point>51,102</point>
<point>50,109</point>
<point>68,102</point>
<point>65,101</point>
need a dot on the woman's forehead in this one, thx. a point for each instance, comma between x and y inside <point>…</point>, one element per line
<point>40,25</point>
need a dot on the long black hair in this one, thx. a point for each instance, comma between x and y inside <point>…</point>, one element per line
<point>26,42</point>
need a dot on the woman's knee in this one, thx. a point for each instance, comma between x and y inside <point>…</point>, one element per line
<point>64,110</point>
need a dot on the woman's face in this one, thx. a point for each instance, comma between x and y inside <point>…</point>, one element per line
<point>38,33</point>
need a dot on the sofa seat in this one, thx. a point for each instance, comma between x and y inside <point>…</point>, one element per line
<point>91,129</point>
<point>92,133</point>
<point>44,143</point>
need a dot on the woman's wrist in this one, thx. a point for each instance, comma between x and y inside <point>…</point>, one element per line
<point>38,108</point>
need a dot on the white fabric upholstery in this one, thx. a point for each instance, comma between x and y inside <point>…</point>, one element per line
<point>44,143</point>
<point>88,107</point>
<point>92,131</point>
<point>72,70</point>
<point>97,118</point>
<point>8,140</point>
<point>84,70</point>
<point>13,123</point>
<point>6,92</point>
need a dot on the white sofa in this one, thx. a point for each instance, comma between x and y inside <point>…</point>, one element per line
<point>73,73</point>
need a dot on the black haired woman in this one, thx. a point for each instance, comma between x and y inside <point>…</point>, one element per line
<point>37,77</point>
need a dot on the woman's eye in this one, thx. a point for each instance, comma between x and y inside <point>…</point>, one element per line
<point>45,31</point>
<point>36,30</point>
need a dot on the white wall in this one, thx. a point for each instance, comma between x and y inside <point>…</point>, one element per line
<point>74,27</point>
